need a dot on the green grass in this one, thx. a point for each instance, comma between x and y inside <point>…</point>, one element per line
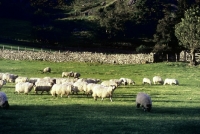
<point>175,108</point>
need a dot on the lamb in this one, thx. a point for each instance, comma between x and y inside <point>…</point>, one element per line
<point>46,70</point>
<point>4,101</point>
<point>2,82</point>
<point>157,80</point>
<point>42,86</point>
<point>67,74</point>
<point>171,81</point>
<point>146,80</point>
<point>144,100</point>
<point>23,87</point>
<point>61,89</point>
<point>21,79</point>
<point>102,91</point>
<point>9,77</point>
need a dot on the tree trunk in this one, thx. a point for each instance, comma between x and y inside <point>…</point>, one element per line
<point>193,59</point>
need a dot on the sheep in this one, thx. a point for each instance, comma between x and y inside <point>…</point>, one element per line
<point>157,80</point>
<point>61,89</point>
<point>2,82</point>
<point>47,79</point>
<point>46,70</point>
<point>33,80</point>
<point>21,79</point>
<point>80,86</point>
<point>90,87</point>
<point>23,87</point>
<point>109,83</point>
<point>102,91</point>
<point>171,81</point>
<point>67,74</point>
<point>4,101</point>
<point>118,81</point>
<point>89,80</point>
<point>146,80</point>
<point>42,86</point>
<point>76,75</point>
<point>128,81</point>
<point>144,100</point>
<point>9,77</point>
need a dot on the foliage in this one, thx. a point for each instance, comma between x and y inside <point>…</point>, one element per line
<point>188,30</point>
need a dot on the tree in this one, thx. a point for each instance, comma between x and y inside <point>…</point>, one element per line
<point>188,31</point>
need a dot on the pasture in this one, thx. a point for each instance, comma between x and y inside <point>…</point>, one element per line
<point>175,108</point>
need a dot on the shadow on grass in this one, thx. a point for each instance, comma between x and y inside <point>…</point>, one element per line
<point>98,118</point>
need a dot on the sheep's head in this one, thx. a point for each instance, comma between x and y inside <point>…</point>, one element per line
<point>148,107</point>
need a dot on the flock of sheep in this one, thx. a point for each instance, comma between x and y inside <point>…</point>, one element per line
<point>71,83</point>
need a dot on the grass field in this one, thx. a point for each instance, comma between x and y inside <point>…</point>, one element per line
<point>175,108</point>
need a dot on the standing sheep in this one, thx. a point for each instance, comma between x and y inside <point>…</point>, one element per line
<point>4,101</point>
<point>61,89</point>
<point>23,87</point>
<point>102,91</point>
<point>171,81</point>
<point>21,79</point>
<point>157,80</point>
<point>146,80</point>
<point>42,86</point>
<point>144,100</point>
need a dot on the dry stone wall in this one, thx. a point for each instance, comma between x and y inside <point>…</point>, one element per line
<point>77,56</point>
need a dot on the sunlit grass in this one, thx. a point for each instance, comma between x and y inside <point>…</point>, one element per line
<point>175,108</point>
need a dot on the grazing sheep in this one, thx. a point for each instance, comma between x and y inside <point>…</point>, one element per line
<point>128,81</point>
<point>4,101</point>
<point>42,86</point>
<point>21,79</point>
<point>46,70</point>
<point>77,75</point>
<point>9,77</point>
<point>109,83</point>
<point>171,81</point>
<point>61,89</point>
<point>2,82</point>
<point>102,91</point>
<point>23,87</point>
<point>157,80</point>
<point>68,74</point>
<point>146,80</point>
<point>118,81</point>
<point>144,100</point>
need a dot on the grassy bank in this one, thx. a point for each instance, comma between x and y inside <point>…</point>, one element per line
<point>175,108</point>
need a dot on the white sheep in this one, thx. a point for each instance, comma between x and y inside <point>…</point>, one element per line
<point>80,86</point>
<point>9,77</point>
<point>2,82</point>
<point>68,74</point>
<point>21,79</point>
<point>23,87</point>
<point>146,80</point>
<point>103,91</point>
<point>109,83</point>
<point>89,88</point>
<point>157,80</point>
<point>4,101</point>
<point>171,81</point>
<point>46,70</point>
<point>42,86</point>
<point>118,81</point>
<point>61,89</point>
<point>144,100</point>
